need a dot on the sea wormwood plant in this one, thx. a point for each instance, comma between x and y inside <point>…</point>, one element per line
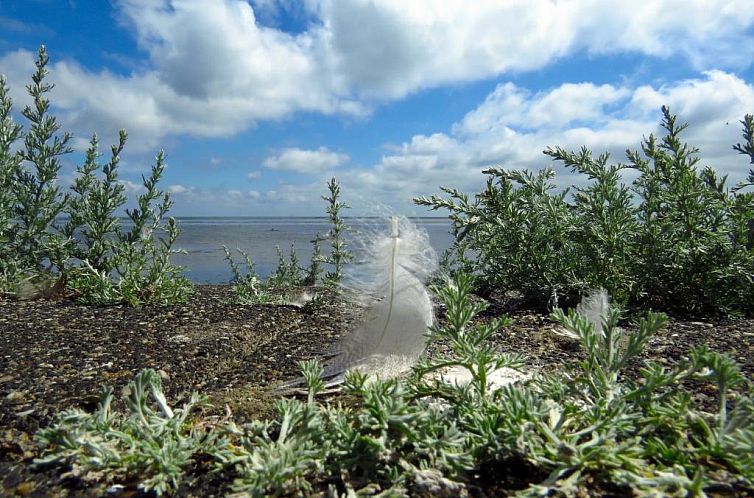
<point>89,252</point>
<point>339,253</point>
<point>248,287</point>
<point>587,426</point>
<point>10,164</point>
<point>92,220</point>
<point>691,225</point>
<point>133,265</point>
<point>676,238</point>
<point>35,247</point>
<point>289,272</point>
<point>521,234</point>
<point>152,440</point>
<point>316,261</point>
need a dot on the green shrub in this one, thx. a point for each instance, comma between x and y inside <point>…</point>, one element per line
<point>32,199</point>
<point>289,272</point>
<point>250,289</point>
<point>677,238</point>
<point>89,253</point>
<point>339,253</point>
<point>690,253</point>
<point>156,444</point>
<point>10,164</point>
<point>517,232</point>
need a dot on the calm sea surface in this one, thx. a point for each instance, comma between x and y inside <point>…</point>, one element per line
<point>203,238</point>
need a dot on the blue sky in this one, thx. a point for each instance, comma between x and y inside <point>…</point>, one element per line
<point>258,103</point>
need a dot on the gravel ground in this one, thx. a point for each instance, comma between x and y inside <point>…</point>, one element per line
<point>56,354</point>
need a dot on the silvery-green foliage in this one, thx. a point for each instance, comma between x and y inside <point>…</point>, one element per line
<point>152,440</point>
<point>339,253</point>
<point>383,441</point>
<point>10,163</point>
<point>606,234</point>
<point>647,434</point>
<point>37,199</point>
<point>747,148</point>
<point>583,424</point>
<point>136,262</point>
<point>289,272</point>
<point>142,263</point>
<point>675,238</point>
<point>519,232</point>
<point>691,249</point>
<point>316,262</point>
<point>469,344</point>
<point>92,217</point>
<point>89,252</point>
<point>280,458</point>
<point>248,287</point>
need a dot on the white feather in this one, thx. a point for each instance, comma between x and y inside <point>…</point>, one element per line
<point>595,307</point>
<point>391,335</point>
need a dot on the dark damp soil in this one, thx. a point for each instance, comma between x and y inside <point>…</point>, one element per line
<point>56,354</point>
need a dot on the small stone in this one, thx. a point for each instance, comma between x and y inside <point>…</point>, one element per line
<point>16,396</point>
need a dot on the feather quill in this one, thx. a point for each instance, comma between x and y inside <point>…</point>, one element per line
<point>391,335</point>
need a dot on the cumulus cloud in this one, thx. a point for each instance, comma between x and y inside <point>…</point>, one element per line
<point>425,43</point>
<point>305,161</point>
<point>504,130</point>
<point>214,69</point>
<point>178,189</point>
<point>508,130</point>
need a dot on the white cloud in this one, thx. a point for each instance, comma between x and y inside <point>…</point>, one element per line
<point>214,70</point>
<point>507,130</point>
<point>424,43</point>
<point>254,175</point>
<point>305,161</point>
<point>495,134</point>
<point>178,189</point>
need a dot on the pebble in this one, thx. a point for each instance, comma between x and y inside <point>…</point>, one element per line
<point>16,396</point>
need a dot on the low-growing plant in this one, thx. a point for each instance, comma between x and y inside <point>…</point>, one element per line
<point>585,425</point>
<point>152,440</point>
<point>676,238</point>
<point>289,272</point>
<point>469,345</point>
<point>251,289</point>
<point>316,262</point>
<point>248,287</point>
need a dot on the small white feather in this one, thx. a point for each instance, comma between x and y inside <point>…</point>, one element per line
<point>595,307</point>
<point>391,335</point>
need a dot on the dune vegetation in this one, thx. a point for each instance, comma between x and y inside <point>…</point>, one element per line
<point>676,239</point>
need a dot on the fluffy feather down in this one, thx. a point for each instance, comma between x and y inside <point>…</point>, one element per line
<point>595,307</point>
<point>391,335</point>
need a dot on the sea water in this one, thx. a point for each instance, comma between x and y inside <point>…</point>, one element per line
<point>203,238</point>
